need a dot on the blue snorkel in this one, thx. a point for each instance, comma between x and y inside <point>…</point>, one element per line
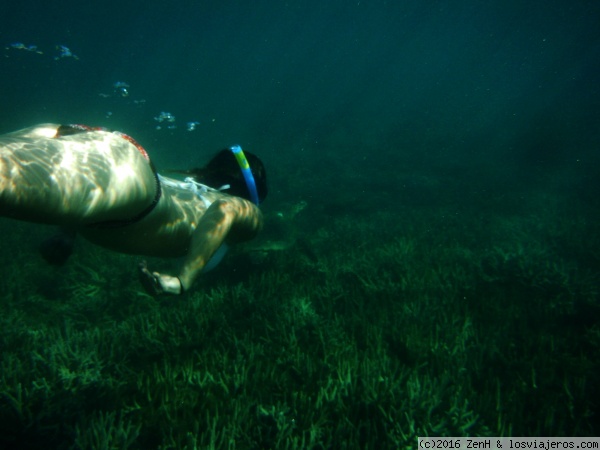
<point>251,184</point>
<point>248,177</point>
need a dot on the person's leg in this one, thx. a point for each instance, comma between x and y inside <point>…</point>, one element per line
<point>73,180</point>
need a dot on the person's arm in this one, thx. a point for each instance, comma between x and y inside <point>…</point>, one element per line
<point>229,220</point>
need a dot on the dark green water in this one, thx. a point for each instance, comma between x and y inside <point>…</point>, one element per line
<point>447,154</point>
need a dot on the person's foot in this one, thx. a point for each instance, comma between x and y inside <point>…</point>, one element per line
<point>57,249</point>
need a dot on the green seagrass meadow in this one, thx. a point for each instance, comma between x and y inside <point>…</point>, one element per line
<point>340,327</point>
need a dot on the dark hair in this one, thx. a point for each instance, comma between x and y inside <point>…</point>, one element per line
<point>224,169</point>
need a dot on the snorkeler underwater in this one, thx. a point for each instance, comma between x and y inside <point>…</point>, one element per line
<point>103,186</point>
<point>298,225</point>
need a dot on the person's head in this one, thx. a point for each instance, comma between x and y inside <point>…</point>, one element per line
<point>224,169</point>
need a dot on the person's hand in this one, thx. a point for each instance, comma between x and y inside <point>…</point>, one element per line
<point>155,283</point>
